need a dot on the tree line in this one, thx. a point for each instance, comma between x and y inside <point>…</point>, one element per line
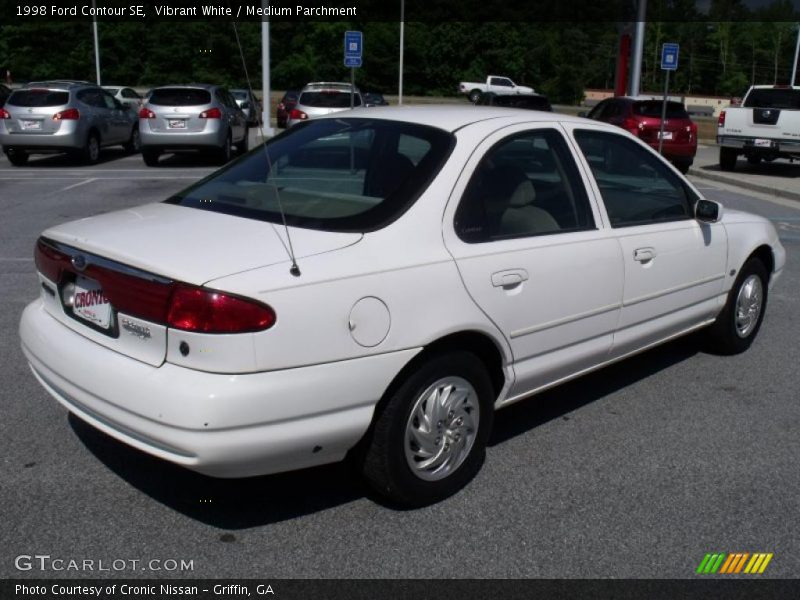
<point>721,57</point>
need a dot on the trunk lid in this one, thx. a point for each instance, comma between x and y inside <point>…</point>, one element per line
<point>110,277</point>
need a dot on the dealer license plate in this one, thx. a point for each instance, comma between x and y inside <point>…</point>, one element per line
<point>177,124</point>
<point>29,125</point>
<point>90,304</point>
<point>762,143</point>
<point>667,135</point>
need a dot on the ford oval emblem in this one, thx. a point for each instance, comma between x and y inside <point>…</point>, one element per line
<point>79,262</point>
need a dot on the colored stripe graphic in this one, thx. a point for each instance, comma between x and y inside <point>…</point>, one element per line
<point>734,563</point>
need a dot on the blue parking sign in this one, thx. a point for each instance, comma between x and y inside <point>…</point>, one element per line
<point>669,57</point>
<point>353,44</point>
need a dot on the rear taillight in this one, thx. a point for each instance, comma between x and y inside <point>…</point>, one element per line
<point>632,125</point>
<point>208,311</point>
<point>297,114</point>
<point>4,114</point>
<point>67,115</point>
<point>721,122</point>
<point>211,113</point>
<point>159,300</point>
<point>146,113</point>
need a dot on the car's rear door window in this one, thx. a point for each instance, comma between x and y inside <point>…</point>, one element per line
<point>330,174</point>
<point>525,185</point>
<point>636,186</point>
<point>180,97</point>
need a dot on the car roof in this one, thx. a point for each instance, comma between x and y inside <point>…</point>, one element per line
<point>453,117</point>
<point>63,84</point>
<point>204,86</point>
<point>776,87</point>
<point>321,85</point>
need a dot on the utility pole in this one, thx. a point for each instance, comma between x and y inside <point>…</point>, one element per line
<point>96,44</point>
<point>638,48</point>
<point>796,50</point>
<point>402,47</point>
<point>266,102</point>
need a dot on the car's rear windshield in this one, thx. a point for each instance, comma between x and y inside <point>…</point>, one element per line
<point>36,97</point>
<point>328,99</point>
<point>328,174</point>
<point>180,97</point>
<point>652,108</point>
<point>773,98</point>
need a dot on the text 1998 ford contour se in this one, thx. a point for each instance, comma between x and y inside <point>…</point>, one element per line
<point>448,262</point>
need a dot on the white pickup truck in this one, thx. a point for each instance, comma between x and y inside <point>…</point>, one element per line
<point>765,127</point>
<point>502,86</point>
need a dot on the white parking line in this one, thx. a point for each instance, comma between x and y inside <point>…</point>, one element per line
<point>74,185</point>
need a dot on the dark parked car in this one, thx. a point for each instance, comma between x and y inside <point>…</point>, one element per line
<point>374,99</point>
<point>5,92</point>
<point>527,101</point>
<point>642,118</point>
<point>285,106</point>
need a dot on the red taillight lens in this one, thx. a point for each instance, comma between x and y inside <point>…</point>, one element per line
<point>631,125</point>
<point>721,122</point>
<point>209,311</point>
<point>297,114</point>
<point>65,115</point>
<point>146,113</point>
<point>211,113</point>
<point>4,114</point>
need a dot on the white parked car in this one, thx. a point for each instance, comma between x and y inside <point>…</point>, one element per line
<point>378,285</point>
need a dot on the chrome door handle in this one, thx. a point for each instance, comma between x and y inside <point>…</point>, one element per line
<point>509,278</point>
<point>644,254</point>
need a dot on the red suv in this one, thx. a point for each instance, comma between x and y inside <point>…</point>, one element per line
<point>642,118</point>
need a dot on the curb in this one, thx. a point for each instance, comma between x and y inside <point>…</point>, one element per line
<point>747,185</point>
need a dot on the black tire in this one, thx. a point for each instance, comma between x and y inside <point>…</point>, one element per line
<point>150,156</point>
<point>243,146</point>
<point>90,153</point>
<point>683,167</point>
<point>134,144</point>
<point>754,159</point>
<point>384,462</point>
<point>727,159</point>
<point>17,157</point>
<point>475,95</point>
<point>224,154</point>
<point>726,336</point>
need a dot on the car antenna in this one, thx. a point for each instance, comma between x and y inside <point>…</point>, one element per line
<point>294,269</point>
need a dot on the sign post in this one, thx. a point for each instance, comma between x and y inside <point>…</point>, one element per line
<point>669,62</point>
<point>353,52</point>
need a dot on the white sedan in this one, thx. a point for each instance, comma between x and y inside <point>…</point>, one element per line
<point>376,285</point>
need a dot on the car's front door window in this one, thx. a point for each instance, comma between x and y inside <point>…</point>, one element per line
<point>637,187</point>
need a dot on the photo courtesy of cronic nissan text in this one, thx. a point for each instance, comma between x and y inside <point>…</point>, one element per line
<point>332,299</point>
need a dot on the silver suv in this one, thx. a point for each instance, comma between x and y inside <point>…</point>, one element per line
<point>65,116</point>
<point>322,98</point>
<point>195,117</point>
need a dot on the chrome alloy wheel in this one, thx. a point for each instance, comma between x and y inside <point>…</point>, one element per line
<point>749,302</point>
<point>441,428</point>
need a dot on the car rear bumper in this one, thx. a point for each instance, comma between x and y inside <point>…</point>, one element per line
<point>213,136</point>
<point>67,137</point>
<point>221,425</point>
<point>677,152</point>
<point>749,144</point>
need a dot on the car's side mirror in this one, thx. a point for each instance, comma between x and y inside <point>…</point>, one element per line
<point>708,211</point>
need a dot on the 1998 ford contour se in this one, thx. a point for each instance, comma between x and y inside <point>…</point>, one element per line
<point>448,262</point>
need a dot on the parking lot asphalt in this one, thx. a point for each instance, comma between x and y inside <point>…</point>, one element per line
<point>636,471</point>
<point>779,178</point>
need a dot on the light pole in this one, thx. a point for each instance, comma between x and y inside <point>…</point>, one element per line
<point>638,48</point>
<point>796,50</point>
<point>96,43</point>
<point>266,102</point>
<point>402,47</point>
